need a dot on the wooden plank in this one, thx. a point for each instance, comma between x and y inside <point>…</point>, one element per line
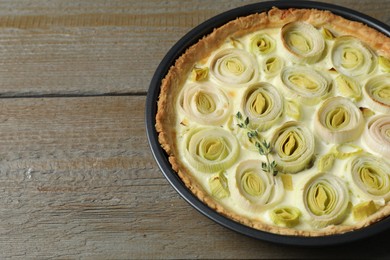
<point>97,47</point>
<point>77,180</point>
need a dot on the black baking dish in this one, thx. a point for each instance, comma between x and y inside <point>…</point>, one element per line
<point>160,156</point>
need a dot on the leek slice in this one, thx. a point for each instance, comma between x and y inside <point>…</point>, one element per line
<point>263,104</point>
<point>272,66</point>
<point>293,145</point>
<point>303,42</point>
<point>287,181</point>
<point>343,151</point>
<point>285,216</point>
<point>210,149</point>
<point>348,87</point>
<point>363,210</point>
<point>255,189</point>
<point>370,176</point>
<point>199,74</point>
<point>377,135</point>
<point>293,109</point>
<point>384,63</point>
<point>326,162</point>
<point>219,186</point>
<point>366,112</point>
<point>377,93</point>
<point>234,67</point>
<point>338,120</point>
<point>305,85</point>
<point>326,199</point>
<point>262,44</point>
<point>327,34</point>
<point>351,57</point>
<point>204,103</point>
<point>236,43</point>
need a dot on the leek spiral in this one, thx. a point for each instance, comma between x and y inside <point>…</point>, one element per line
<point>338,120</point>
<point>305,85</point>
<point>262,44</point>
<point>263,104</point>
<point>370,176</point>
<point>210,149</point>
<point>326,199</point>
<point>293,147</point>
<point>348,87</point>
<point>351,57</point>
<point>234,67</point>
<point>302,42</point>
<point>272,66</point>
<point>204,104</point>
<point>377,93</point>
<point>377,135</point>
<point>255,189</point>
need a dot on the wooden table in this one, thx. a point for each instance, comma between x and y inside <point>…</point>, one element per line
<point>77,178</point>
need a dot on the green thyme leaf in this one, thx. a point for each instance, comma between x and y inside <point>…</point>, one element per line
<point>263,147</point>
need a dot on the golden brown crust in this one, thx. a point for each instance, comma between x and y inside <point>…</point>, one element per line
<point>171,85</point>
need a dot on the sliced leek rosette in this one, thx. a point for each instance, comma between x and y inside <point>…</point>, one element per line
<point>263,104</point>
<point>253,188</point>
<point>377,93</point>
<point>272,66</point>
<point>377,135</point>
<point>305,85</point>
<point>210,149</point>
<point>262,44</point>
<point>204,104</point>
<point>293,147</point>
<point>370,176</point>
<point>348,87</point>
<point>302,42</point>
<point>338,120</point>
<point>351,57</point>
<point>234,67</point>
<point>326,199</point>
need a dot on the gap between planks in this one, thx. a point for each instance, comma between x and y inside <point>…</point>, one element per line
<point>20,96</point>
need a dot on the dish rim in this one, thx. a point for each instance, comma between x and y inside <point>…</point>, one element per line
<point>160,155</point>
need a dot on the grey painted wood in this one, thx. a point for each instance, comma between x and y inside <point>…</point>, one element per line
<point>99,47</point>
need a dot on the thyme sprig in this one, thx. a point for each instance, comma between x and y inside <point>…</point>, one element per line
<point>263,147</point>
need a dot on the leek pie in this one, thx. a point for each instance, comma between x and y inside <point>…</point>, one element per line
<point>281,121</point>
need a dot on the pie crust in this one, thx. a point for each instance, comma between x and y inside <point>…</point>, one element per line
<point>167,113</point>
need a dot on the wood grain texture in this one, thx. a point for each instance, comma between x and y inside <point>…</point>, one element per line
<point>99,47</point>
<point>77,180</point>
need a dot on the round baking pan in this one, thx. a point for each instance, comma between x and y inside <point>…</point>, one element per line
<point>161,157</point>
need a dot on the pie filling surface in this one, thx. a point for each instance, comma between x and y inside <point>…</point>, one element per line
<point>281,121</point>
